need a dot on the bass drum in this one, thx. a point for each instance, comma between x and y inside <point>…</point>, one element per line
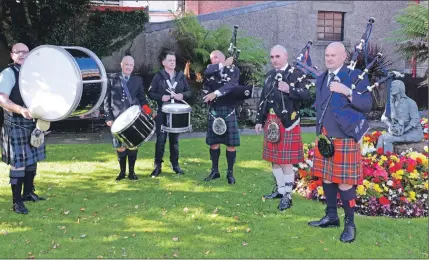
<point>60,82</point>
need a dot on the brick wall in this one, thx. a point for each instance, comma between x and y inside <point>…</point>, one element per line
<point>204,7</point>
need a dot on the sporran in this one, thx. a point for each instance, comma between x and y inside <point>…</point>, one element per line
<point>325,145</point>
<point>37,138</point>
<point>273,132</point>
<point>219,126</point>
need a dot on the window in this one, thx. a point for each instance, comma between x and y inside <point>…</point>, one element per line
<point>330,26</point>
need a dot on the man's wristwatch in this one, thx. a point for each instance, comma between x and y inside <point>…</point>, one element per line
<point>350,93</point>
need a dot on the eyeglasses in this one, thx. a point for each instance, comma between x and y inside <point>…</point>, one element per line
<point>20,52</point>
<point>276,56</point>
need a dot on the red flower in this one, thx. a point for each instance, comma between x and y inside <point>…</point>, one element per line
<point>384,201</point>
<point>404,199</point>
<point>302,173</point>
<point>411,167</point>
<point>376,180</point>
<point>419,161</point>
<point>380,151</point>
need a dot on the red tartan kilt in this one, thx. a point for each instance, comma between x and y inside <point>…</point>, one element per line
<point>344,167</point>
<point>288,150</point>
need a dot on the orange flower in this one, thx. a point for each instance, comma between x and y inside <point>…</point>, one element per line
<point>302,173</point>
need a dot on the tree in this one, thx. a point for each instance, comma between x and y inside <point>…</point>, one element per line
<point>411,38</point>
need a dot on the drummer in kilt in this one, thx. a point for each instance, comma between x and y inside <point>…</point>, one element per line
<point>221,79</point>
<point>16,134</point>
<point>280,121</point>
<point>164,81</point>
<point>342,171</point>
<point>123,91</point>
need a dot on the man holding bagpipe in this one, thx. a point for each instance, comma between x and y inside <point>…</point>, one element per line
<point>341,125</point>
<point>279,114</point>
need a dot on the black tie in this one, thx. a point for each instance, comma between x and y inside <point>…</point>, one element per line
<point>331,78</point>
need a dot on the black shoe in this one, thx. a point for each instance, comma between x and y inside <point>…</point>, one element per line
<point>177,170</point>
<point>20,208</point>
<point>274,195</point>
<point>349,232</point>
<point>326,221</point>
<point>156,172</point>
<point>132,176</point>
<point>120,176</point>
<point>214,174</point>
<point>230,177</point>
<point>32,197</point>
<point>285,202</point>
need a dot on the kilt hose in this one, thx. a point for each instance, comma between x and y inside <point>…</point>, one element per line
<point>289,149</point>
<point>344,167</point>
<point>15,140</point>
<point>232,135</point>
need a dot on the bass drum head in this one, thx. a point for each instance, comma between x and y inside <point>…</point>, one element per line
<point>50,83</point>
<point>125,119</point>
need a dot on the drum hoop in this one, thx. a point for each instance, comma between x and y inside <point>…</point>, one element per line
<point>79,88</point>
<point>103,76</point>
<point>130,123</point>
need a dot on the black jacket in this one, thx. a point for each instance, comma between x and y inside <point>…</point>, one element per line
<point>214,81</point>
<point>115,101</point>
<point>159,86</point>
<point>292,99</point>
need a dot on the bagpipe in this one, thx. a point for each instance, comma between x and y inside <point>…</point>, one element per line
<point>232,50</point>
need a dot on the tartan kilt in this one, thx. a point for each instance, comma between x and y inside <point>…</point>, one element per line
<point>232,135</point>
<point>289,149</point>
<point>344,167</point>
<point>15,141</point>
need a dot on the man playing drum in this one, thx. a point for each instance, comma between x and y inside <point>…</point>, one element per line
<point>16,134</point>
<point>167,84</point>
<point>221,79</point>
<point>278,115</point>
<point>123,91</point>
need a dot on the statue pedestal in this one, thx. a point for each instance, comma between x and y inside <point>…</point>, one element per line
<point>402,147</point>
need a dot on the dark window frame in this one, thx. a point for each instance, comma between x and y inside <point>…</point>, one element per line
<point>332,36</point>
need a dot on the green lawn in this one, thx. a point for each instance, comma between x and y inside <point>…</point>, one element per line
<point>90,215</point>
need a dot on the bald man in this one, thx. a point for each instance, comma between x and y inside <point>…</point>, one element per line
<point>278,116</point>
<point>16,133</point>
<point>342,171</point>
<point>123,91</point>
<point>221,79</point>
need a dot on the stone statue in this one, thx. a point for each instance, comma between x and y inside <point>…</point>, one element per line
<point>404,122</point>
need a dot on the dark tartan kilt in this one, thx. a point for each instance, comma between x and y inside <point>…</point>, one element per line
<point>16,148</point>
<point>232,135</point>
<point>345,167</point>
<point>289,149</point>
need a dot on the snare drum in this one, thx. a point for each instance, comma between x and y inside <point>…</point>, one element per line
<point>133,127</point>
<point>59,82</point>
<point>177,118</point>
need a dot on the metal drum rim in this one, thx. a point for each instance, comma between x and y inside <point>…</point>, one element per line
<point>103,77</point>
<point>79,87</point>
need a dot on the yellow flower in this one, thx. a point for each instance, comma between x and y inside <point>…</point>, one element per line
<point>414,175</point>
<point>426,185</point>
<point>377,188</point>
<point>412,195</point>
<point>365,183</point>
<point>394,158</point>
<point>366,139</point>
<point>320,190</point>
<point>398,174</point>
<point>361,190</point>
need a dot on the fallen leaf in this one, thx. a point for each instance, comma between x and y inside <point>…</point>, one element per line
<point>125,237</point>
<point>248,230</point>
<point>4,232</point>
<point>27,241</point>
<point>377,244</point>
<point>228,230</point>
<point>410,252</point>
<point>136,206</point>
<point>100,257</point>
<point>83,236</point>
<point>175,239</point>
<point>133,235</point>
<point>244,243</point>
<point>236,217</point>
<point>175,255</point>
<point>66,212</point>
<point>63,227</point>
<point>244,193</point>
<point>207,252</point>
<point>263,199</point>
<point>82,209</point>
<point>215,211</point>
<point>185,210</point>
<point>325,249</point>
<point>321,242</point>
<point>49,209</point>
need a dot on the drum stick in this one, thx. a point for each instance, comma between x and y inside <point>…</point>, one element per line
<point>173,93</point>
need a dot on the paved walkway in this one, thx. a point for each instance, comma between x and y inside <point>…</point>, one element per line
<point>105,136</point>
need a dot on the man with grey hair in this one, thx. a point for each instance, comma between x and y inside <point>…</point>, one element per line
<point>123,91</point>
<point>18,126</point>
<point>278,116</point>
<point>404,121</point>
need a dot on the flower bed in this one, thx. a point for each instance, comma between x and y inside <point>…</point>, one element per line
<point>394,185</point>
